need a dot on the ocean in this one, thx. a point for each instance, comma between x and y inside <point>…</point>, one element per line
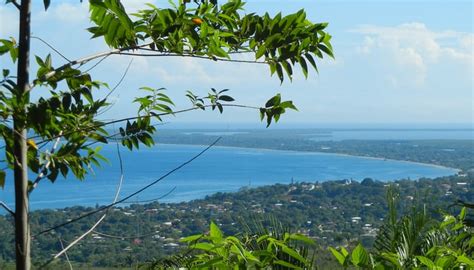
<point>221,169</point>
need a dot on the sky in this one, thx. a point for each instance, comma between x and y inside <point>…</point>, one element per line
<point>396,62</point>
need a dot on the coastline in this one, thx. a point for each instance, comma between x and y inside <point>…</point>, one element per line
<point>450,171</point>
<point>319,153</point>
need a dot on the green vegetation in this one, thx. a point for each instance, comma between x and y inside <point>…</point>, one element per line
<point>331,213</point>
<point>66,118</point>
<point>275,249</point>
<point>66,115</point>
<point>415,241</point>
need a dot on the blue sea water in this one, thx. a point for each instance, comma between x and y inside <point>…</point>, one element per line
<point>221,169</point>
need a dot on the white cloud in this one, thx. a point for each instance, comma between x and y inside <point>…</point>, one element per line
<point>410,49</point>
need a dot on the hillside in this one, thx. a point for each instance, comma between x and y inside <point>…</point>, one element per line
<point>336,212</point>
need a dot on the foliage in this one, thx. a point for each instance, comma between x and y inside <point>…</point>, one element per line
<point>328,226</point>
<point>415,241</point>
<point>195,29</point>
<point>67,117</point>
<point>270,250</point>
<point>207,29</point>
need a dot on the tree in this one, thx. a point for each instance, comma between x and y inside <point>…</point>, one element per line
<point>68,120</point>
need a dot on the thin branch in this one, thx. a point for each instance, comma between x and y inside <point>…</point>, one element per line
<point>4,206</point>
<point>41,175</point>
<point>188,52</point>
<point>117,193</point>
<point>124,237</point>
<point>74,242</point>
<point>115,88</point>
<point>133,194</point>
<point>52,48</point>
<point>112,137</point>
<point>142,235</point>
<point>15,4</point>
<point>157,199</point>
<point>141,116</point>
<point>121,79</point>
<point>96,64</point>
<point>123,51</point>
<point>65,254</point>
<point>193,56</point>
<point>84,60</point>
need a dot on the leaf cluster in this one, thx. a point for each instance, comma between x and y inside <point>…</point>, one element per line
<point>415,241</point>
<point>52,117</point>
<point>251,251</point>
<point>274,108</point>
<point>205,28</point>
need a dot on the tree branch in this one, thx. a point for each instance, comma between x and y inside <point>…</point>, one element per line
<point>193,56</point>
<point>41,175</point>
<point>141,116</point>
<point>4,206</point>
<point>15,4</point>
<point>84,60</point>
<point>97,223</point>
<point>52,48</point>
<point>124,51</point>
<point>65,254</point>
<point>133,194</point>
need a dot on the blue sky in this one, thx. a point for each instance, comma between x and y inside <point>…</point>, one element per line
<point>396,62</point>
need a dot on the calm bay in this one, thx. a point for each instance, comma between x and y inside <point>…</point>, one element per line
<point>221,169</point>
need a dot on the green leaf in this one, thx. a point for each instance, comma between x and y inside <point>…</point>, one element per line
<point>304,67</point>
<point>310,58</point>
<point>46,4</point>
<point>279,72</point>
<point>360,257</point>
<point>191,238</point>
<point>444,262</point>
<point>340,258</point>
<point>274,101</point>
<point>288,105</point>
<point>288,69</point>
<point>48,62</point>
<point>203,246</point>
<point>293,253</point>
<point>326,50</point>
<point>466,260</point>
<point>426,261</point>
<point>226,98</point>
<point>392,258</point>
<point>215,232</point>
<point>302,238</point>
<point>344,252</point>
<point>40,61</point>
<point>261,50</point>
<point>262,113</point>
<point>219,106</point>
<point>286,264</point>
<point>462,214</point>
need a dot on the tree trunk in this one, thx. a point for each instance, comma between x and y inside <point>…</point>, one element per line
<point>22,232</point>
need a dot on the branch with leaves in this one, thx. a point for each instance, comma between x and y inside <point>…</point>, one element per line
<point>69,109</point>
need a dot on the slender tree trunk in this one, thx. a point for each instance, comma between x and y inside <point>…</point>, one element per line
<point>22,232</point>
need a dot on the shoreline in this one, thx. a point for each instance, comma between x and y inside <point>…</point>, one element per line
<point>320,153</point>
<point>453,171</point>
